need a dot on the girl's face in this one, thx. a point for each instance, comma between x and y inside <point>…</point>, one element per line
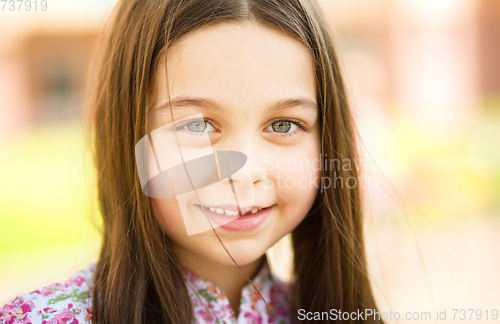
<point>258,96</point>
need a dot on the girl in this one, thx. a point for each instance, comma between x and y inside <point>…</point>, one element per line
<point>264,78</point>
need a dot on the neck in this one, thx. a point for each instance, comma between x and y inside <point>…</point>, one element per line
<point>227,277</point>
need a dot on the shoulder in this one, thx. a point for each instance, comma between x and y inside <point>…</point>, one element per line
<point>65,302</point>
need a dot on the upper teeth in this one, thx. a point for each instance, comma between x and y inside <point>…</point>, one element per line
<point>229,212</point>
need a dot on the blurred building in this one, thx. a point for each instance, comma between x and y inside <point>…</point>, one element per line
<point>434,58</point>
<point>43,62</point>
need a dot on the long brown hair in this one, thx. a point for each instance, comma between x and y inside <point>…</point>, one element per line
<point>138,278</point>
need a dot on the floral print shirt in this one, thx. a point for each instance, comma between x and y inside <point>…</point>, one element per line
<point>67,302</point>
<point>211,305</point>
<point>70,301</point>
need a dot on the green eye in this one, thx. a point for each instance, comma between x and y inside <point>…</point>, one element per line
<point>197,126</point>
<point>281,126</point>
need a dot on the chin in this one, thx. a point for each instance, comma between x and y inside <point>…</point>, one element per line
<point>242,256</point>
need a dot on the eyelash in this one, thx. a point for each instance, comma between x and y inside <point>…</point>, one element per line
<point>299,124</point>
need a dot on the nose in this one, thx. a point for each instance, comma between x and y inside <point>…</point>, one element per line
<point>253,171</point>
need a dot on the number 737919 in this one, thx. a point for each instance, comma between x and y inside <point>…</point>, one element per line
<point>28,5</point>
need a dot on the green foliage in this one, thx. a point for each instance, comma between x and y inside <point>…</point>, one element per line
<point>47,191</point>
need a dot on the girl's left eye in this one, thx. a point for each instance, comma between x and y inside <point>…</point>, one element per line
<point>285,127</point>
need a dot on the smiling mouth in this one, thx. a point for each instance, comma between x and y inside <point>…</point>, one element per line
<point>232,213</point>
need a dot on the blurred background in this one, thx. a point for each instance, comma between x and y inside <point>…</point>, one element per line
<point>423,78</point>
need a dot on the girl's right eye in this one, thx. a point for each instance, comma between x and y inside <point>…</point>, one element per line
<point>197,127</point>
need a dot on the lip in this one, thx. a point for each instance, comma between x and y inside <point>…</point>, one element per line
<point>238,223</point>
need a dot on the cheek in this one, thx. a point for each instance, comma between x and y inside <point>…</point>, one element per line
<point>298,184</point>
<point>169,217</point>
<point>297,179</point>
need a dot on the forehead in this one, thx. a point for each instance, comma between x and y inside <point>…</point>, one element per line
<point>244,64</point>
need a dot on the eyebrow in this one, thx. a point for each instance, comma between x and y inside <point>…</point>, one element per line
<point>216,106</point>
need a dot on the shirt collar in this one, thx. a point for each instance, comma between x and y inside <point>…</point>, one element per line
<point>207,297</point>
